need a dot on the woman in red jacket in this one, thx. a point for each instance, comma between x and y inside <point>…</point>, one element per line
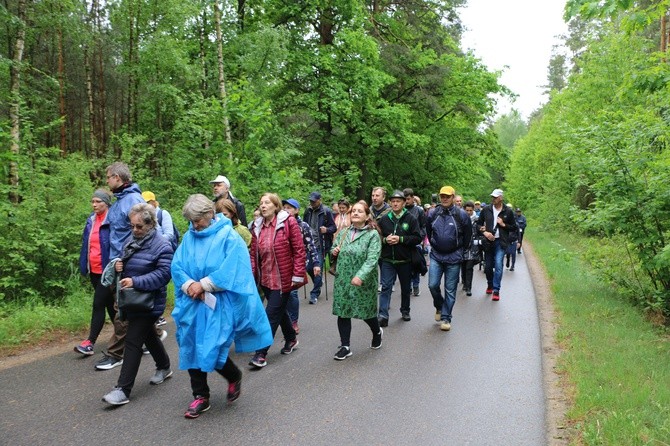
<point>278,264</point>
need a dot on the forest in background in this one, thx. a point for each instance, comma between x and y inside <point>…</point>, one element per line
<point>595,160</point>
<point>334,95</point>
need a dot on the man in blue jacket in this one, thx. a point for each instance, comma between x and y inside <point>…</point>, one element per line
<point>127,195</point>
<point>321,222</point>
<point>449,231</point>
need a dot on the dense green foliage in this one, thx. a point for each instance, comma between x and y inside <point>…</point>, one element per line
<point>338,95</point>
<point>597,159</point>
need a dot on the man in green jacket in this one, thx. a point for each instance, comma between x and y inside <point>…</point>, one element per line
<point>400,235</point>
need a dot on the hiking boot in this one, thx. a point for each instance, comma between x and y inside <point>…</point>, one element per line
<point>468,293</point>
<point>489,291</point>
<point>377,339</point>
<point>234,390</point>
<point>511,269</point>
<point>116,397</point>
<point>343,353</point>
<point>406,317</point>
<point>416,291</point>
<point>313,300</point>
<point>496,296</point>
<point>289,346</point>
<point>160,376</point>
<point>199,405</point>
<point>258,360</point>
<point>383,322</point>
<point>161,321</point>
<point>85,348</point>
<point>108,363</point>
<point>445,326</point>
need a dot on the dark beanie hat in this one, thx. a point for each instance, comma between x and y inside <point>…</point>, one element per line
<point>104,196</point>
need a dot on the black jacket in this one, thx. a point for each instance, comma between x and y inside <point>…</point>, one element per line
<point>407,227</point>
<point>486,219</point>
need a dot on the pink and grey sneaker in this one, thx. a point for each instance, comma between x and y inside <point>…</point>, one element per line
<point>85,348</point>
<point>199,405</point>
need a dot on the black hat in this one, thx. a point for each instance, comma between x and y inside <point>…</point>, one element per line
<point>397,194</point>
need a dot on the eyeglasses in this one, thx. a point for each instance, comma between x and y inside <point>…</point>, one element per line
<point>137,226</point>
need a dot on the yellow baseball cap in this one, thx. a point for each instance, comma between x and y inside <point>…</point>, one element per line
<point>447,190</point>
<point>148,196</point>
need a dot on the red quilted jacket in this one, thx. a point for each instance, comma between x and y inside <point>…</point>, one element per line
<point>289,250</point>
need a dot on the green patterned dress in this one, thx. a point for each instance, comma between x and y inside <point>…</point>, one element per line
<point>357,258</point>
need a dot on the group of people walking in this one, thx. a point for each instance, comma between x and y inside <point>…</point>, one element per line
<point>222,266</point>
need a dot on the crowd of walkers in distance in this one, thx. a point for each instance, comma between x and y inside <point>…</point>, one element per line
<point>223,264</point>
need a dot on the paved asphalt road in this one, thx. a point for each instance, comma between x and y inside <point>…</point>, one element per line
<point>480,384</point>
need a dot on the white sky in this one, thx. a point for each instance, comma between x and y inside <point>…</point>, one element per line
<point>518,34</point>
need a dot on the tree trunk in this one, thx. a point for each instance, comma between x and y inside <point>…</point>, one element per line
<point>664,31</point>
<point>131,49</point>
<point>61,93</point>
<point>101,135</point>
<point>222,77</point>
<point>91,108</point>
<point>14,106</point>
<point>240,14</point>
<point>202,37</point>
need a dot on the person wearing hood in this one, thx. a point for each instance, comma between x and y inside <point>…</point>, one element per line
<point>278,264</point>
<point>357,250</point>
<point>216,302</point>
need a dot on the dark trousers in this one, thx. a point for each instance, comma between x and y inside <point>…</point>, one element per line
<point>103,299</point>
<point>140,331</point>
<point>278,315</point>
<point>389,272</point>
<point>467,271</point>
<point>230,372</point>
<point>117,342</point>
<point>344,327</point>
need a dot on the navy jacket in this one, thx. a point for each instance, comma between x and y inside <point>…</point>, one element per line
<point>104,244</point>
<point>325,218</point>
<point>149,267</point>
<point>449,231</point>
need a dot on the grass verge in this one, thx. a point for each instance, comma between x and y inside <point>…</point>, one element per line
<point>40,324</point>
<point>615,360</point>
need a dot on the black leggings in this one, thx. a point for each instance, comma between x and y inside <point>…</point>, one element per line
<point>344,327</point>
<point>230,372</point>
<point>103,299</point>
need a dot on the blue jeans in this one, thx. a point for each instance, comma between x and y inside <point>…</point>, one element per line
<point>450,271</point>
<point>293,306</point>
<point>494,261</point>
<point>318,280</point>
<point>389,271</point>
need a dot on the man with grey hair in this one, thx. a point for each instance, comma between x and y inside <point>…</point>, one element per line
<point>127,195</point>
<point>221,189</point>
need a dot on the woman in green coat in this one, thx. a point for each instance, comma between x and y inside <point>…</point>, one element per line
<point>357,251</point>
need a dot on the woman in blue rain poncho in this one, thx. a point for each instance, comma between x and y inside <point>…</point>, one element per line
<point>216,301</point>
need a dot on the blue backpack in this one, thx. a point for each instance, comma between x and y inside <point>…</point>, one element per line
<point>177,235</point>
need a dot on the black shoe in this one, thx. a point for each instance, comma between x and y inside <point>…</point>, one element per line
<point>511,269</point>
<point>406,317</point>
<point>343,353</point>
<point>383,322</point>
<point>468,293</point>
<point>377,340</point>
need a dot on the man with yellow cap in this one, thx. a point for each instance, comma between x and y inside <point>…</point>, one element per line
<point>449,231</point>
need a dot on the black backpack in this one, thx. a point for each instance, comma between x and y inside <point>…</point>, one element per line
<point>177,235</point>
